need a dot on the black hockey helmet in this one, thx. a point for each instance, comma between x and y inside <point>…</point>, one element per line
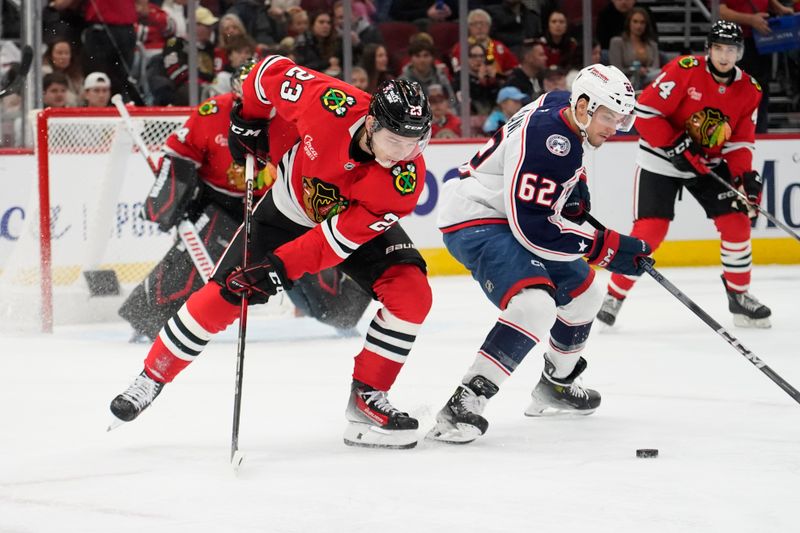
<point>239,75</point>
<point>726,32</point>
<point>401,107</point>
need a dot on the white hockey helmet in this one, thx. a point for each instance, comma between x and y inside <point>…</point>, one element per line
<point>606,86</point>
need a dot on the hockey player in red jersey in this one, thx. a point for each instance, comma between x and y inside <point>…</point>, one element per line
<point>356,170</point>
<point>699,114</point>
<point>515,220</point>
<point>208,189</point>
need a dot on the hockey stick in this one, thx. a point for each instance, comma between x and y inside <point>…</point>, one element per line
<point>236,456</point>
<point>24,67</point>
<point>186,229</point>
<point>748,203</point>
<point>647,265</point>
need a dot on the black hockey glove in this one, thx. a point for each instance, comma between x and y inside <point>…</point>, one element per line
<point>621,254</point>
<point>578,203</point>
<point>259,282</point>
<point>686,156</point>
<point>751,183</point>
<point>248,137</point>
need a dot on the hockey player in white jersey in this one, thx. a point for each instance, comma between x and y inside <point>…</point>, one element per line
<point>515,219</point>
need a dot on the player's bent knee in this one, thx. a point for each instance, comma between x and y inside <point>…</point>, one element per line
<point>592,297</point>
<point>653,231</point>
<point>734,227</point>
<point>405,291</point>
<point>533,309</point>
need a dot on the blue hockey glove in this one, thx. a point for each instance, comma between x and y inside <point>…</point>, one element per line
<point>578,203</point>
<point>621,254</point>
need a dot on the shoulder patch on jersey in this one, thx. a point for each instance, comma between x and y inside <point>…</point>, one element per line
<point>688,62</point>
<point>337,101</point>
<point>405,178</point>
<point>209,107</point>
<point>558,145</point>
<point>755,83</point>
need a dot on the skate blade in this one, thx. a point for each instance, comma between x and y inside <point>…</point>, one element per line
<point>743,321</point>
<point>368,436</point>
<point>236,460</point>
<point>460,434</point>
<point>542,409</point>
<point>115,423</point>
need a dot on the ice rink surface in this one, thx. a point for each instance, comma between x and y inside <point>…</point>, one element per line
<point>729,438</point>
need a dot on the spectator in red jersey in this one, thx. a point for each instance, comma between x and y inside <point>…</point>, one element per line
<point>109,41</point>
<point>55,90</point>
<point>97,90</point>
<point>153,28</point>
<point>479,23</point>
<point>60,58</point>
<point>752,15</point>
<point>230,26</point>
<point>561,49</point>
<point>445,124</point>
<point>376,61</point>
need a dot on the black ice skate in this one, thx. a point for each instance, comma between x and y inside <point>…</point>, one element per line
<point>460,420</point>
<point>562,396</point>
<point>373,422</point>
<point>747,311</point>
<point>608,312</point>
<point>138,397</point>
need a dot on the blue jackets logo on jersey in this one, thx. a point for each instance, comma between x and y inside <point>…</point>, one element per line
<point>558,145</point>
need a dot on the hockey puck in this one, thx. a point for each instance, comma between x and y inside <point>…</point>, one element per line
<point>647,453</point>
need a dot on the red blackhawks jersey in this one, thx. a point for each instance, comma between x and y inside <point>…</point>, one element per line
<point>204,140</point>
<point>319,184</point>
<point>685,88</point>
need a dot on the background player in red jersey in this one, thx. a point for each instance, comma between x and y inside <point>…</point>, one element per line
<point>356,170</point>
<point>699,114</point>
<point>210,194</point>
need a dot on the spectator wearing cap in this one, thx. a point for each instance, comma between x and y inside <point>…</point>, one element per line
<point>97,90</point>
<point>527,77</point>
<point>509,100</point>
<point>422,70</point>
<point>206,21</point>
<point>445,124</point>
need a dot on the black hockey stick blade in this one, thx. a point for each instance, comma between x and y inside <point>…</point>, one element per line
<point>24,67</point>
<point>647,265</point>
<point>102,282</point>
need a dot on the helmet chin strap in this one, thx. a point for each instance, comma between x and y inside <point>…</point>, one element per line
<point>727,76</point>
<point>583,127</point>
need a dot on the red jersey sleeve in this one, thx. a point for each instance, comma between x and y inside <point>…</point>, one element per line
<point>379,202</point>
<point>738,149</point>
<point>660,99</point>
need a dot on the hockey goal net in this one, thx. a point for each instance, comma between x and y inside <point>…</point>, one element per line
<point>84,236</point>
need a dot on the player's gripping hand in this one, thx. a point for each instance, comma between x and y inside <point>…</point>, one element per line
<point>621,254</point>
<point>260,281</point>
<point>686,156</point>
<point>752,184</point>
<point>578,203</point>
<point>248,137</point>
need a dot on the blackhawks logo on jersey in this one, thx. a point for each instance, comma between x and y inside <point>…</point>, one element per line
<point>322,200</point>
<point>755,83</point>
<point>405,178</point>
<point>688,62</point>
<point>209,107</point>
<point>337,101</point>
<point>708,127</point>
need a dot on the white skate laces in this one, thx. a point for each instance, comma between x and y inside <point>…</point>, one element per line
<point>577,390</point>
<point>377,399</point>
<point>142,391</point>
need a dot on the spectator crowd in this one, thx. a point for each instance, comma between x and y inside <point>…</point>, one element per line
<point>518,49</point>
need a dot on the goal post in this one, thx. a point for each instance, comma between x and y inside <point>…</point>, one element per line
<point>83,215</point>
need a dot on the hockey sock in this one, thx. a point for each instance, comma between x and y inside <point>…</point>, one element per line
<point>571,329</point>
<point>735,250</point>
<point>519,328</point>
<point>404,291</point>
<point>185,335</point>
<point>389,340</point>
<point>652,231</point>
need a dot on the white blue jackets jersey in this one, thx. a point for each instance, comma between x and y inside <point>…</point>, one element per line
<point>522,177</point>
